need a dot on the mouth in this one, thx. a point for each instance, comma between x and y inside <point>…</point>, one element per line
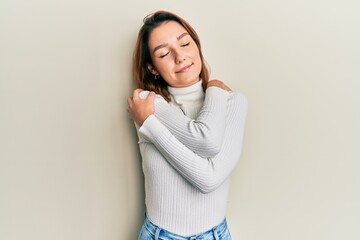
<point>185,69</point>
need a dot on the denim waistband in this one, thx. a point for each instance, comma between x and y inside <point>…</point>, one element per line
<point>210,234</point>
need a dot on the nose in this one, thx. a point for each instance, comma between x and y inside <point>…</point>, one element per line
<point>179,56</point>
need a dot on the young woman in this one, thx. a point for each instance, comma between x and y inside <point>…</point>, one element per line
<point>190,132</point>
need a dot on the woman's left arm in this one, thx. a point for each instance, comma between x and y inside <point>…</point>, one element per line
<point>203,135</point>
<point>204,173</point>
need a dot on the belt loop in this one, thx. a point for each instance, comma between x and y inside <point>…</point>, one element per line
<point>215,233</point>
<point>157,233</point>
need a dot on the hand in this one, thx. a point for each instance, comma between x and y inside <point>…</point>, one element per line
<point>219,84</point>
<point>141,109</point>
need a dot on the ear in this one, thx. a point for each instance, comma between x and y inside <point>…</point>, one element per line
<point>152,69</point>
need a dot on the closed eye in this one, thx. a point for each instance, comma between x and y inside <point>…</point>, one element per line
<point>162,56</point>
<point>186,44</point>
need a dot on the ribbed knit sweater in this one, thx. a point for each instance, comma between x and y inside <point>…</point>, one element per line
<point>189,147</point>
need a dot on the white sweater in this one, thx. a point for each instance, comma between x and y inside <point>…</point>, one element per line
<point>189,148</point>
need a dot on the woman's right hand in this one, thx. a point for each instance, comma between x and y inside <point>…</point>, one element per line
<point>217,83</point>
<point>140,109</point>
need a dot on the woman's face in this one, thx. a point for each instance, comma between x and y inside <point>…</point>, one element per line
<point>175,55</point>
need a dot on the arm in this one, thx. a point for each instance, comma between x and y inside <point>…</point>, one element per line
<point>203,135</point>
<point>204,173</point>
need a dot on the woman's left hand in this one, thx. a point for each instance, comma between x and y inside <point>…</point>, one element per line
<point>141,109</point>
<point>217,83</point>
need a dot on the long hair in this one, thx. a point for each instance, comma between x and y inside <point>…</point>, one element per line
<point>142,57</point>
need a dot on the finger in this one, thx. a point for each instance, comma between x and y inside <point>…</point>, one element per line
<point>213,83</point>
<point>136,93</point>
<point>130,102</point>
<point>152,95</point>
<point>226,87</point>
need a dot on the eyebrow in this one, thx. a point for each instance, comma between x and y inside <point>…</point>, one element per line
<point>182,35</point>
<point>165,44</point>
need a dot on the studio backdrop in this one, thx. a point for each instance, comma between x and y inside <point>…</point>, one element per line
<point>70,167</point>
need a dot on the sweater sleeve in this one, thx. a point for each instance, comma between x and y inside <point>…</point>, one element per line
<point>203,135</point>
<point>204,173</point>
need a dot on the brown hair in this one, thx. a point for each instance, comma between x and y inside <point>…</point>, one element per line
<point>141,58</point>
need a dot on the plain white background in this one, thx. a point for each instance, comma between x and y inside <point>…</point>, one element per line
<point>69,163</point>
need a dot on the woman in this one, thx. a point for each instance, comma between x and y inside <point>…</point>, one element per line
<point>190,132</point>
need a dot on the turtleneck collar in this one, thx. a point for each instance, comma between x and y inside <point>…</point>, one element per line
<point>191,93</point>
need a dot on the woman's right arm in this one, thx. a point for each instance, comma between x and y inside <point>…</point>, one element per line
<point>203,135</point>
<point>206,174</point>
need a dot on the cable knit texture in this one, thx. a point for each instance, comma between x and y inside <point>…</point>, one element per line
<point>189,148</point>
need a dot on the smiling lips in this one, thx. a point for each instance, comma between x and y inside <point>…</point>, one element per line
<point>185,69</point>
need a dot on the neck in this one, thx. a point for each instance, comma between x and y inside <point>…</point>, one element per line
<point>191,93</point>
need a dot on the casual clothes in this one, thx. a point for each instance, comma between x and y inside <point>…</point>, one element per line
<point>189,148</point>
<point>151,231</point>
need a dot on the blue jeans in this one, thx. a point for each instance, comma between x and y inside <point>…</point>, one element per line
<point>150,231</point>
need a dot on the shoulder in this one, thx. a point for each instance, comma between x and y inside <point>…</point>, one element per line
<point>158,99</point>
<point>238,98</point>
<point>237,109</point>
<point>237,105</point>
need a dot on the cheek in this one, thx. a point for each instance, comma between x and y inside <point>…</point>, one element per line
<point>196,53</point>
<point>163,67</point>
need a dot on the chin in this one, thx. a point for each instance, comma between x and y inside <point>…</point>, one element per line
<point>193,81</point>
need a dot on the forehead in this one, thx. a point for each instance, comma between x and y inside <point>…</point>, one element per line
<point>166,33</point>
